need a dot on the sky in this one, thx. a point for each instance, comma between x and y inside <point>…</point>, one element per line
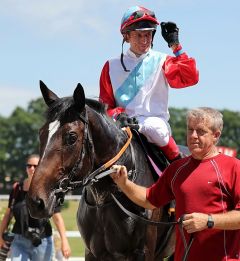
<point>65,42</point>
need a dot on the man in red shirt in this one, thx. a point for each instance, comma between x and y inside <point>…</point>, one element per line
<point>206,188</point>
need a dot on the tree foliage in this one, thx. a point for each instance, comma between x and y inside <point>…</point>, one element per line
<point>19,137</point>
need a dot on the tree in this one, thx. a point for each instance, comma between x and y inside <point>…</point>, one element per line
<point>178,124</point>
<point>19,138</point>
<point>231,130</point>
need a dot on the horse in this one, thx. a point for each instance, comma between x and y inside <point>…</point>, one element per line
<point>78,144</point>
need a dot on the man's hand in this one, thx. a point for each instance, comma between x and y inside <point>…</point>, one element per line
<point>195,222</point>
<point>120,175</point>
<point>170,33</point>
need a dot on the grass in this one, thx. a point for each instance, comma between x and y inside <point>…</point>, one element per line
<point>77,246</point>
<point>69,213</point>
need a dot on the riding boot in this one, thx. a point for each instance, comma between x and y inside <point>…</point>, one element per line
<point>171,150</point>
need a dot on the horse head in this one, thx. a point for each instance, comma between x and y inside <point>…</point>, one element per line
<point>62,150</point>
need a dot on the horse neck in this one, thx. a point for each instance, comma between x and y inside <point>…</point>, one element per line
<point>107,140</point>
<point>99,194</point>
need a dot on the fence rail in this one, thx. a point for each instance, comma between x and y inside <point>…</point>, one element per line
<point>67,197</point>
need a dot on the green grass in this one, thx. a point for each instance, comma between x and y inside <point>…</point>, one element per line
<point>69,213</point>
<point>77,246</point>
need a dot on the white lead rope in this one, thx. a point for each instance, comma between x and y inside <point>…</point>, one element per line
<point>105,173</point>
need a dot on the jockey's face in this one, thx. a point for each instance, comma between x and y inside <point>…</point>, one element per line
<point>140,41</point>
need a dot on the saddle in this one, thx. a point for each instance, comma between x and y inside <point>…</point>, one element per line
<point>156,161</point>
<point>155,157</point>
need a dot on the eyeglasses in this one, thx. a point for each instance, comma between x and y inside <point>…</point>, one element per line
<point>30,165</point>
<point>136,15</point>
<point>139,14</point>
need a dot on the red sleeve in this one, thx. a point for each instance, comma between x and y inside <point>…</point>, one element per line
<point>106,92</point>
<point>236,187</point>
<point>181,71</point>
<point>160,193</point>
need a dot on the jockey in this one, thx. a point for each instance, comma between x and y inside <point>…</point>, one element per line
<point>136,84</point>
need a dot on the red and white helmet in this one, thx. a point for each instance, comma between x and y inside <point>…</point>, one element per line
<point>138,18</point>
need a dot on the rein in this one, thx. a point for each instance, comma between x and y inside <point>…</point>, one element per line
<point>145,221</point>
<point>94,177</point>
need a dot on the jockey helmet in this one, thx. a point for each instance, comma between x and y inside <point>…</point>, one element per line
<point>138,18</point>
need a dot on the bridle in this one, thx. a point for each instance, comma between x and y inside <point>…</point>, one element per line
<point>67,184</point>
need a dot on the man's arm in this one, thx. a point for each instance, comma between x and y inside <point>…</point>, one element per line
<point>198,221</point>
<point>133,191</point>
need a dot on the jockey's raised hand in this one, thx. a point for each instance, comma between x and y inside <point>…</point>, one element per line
<point>170,33</point>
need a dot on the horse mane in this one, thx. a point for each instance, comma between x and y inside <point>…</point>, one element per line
<point>64,108</point>
<point>97,106</point>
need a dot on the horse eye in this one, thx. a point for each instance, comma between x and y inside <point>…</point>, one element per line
<point>70,138</point>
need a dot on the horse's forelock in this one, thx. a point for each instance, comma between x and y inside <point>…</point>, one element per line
<point>60,108</point>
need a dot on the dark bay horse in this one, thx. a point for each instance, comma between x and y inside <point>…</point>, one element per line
<point>76,142</point>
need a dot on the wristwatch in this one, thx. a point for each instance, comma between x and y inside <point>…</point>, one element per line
<point>210,222</point>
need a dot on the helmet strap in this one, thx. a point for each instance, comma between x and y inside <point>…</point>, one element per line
<point>153,33</point>
<point>122,63</point>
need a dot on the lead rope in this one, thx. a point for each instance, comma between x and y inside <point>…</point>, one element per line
<point>91,177</point>
<point>187,246</point>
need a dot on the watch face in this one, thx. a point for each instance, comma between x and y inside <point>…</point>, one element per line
<point>210,222</point>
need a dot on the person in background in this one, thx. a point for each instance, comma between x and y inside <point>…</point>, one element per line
<point>206,188</point>
<point>32,237</point>
<point>135,86</point>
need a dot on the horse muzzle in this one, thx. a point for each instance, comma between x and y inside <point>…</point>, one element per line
<point>38,208</point>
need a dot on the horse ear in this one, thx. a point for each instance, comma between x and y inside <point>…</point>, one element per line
<point>79,98</point>
<point>48,96</point>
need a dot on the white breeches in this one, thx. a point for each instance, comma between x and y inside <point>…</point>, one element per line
<point>155,129</point>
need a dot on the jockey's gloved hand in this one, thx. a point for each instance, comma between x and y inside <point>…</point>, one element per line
<point>125,121</point>
<point>170,33</point>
